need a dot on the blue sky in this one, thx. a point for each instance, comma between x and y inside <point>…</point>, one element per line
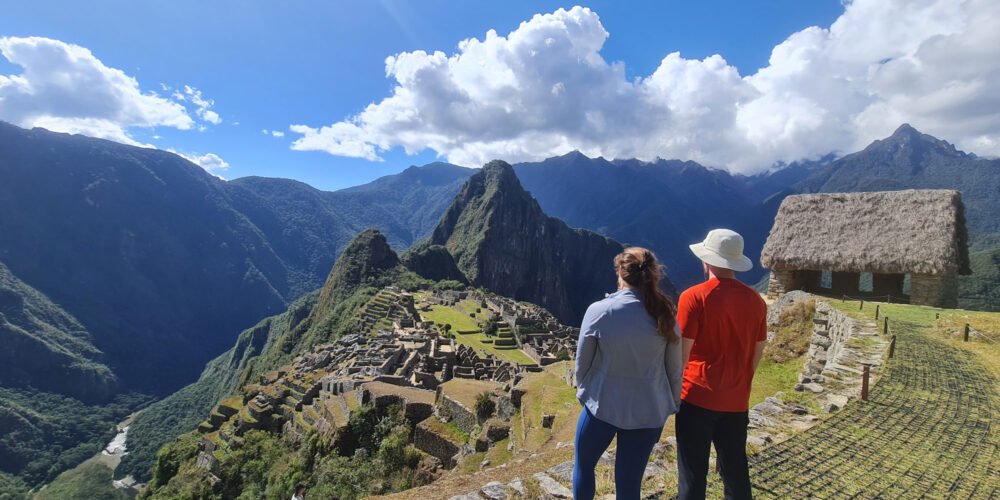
<point>271,65</point>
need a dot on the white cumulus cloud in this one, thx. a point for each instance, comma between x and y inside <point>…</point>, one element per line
<point>211,162</point>
<point>545,89</point>
<point>64,87</point>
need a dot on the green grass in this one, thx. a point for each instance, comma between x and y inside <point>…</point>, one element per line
<point>446,315</point>
<point>546,393</point>
<point>772,377</point>
<point>448,430</point>
<point>460,321</point>
<point>497,454</point>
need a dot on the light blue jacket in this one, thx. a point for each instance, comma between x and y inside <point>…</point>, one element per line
<point>626,373</point>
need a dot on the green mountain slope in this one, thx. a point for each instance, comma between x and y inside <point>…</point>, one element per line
<point>366,264</point>
<point>981,290</point>
<point>46,348</point>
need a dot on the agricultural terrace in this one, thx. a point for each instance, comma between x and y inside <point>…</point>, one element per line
<point>930,427</point>
<point>467,330</point>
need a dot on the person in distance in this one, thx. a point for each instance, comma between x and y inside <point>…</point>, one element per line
<point>628,374</point>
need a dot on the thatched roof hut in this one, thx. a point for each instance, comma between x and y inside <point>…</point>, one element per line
<point>916,232</point>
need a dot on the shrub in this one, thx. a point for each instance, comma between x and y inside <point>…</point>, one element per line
<point>485,406</point>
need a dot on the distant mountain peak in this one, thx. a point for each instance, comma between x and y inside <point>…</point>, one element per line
<point>366,257</point>
<point>909,139</point>
<point>501,239</point>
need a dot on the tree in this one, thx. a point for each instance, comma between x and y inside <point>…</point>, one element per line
<point>490,326</point>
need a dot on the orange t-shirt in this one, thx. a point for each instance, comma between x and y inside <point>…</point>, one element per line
<point>726,319</point>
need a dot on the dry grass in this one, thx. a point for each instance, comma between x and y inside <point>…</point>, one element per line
<point>466,391</point>
<point>912,231</point>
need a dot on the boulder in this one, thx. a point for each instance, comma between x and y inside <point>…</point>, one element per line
<point>654,469</point>
<point>517,485</point>
<point>563,471</point>
<point>551,487</point>
<point>494,490</point>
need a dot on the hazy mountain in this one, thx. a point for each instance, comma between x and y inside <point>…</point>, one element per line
<point>502,240</point>
<point>163,263</point>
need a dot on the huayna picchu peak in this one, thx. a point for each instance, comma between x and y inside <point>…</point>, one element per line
<point>501,240</point>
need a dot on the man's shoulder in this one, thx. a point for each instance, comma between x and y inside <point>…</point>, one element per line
<point>699,290</point>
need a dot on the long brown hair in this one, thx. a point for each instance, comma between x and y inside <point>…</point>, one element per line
<point>639,268</point>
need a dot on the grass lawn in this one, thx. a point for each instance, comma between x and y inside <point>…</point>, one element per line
<point>947,326</point>
<point>458,320</point>
<point>772,377</point>
<point>461,321</point>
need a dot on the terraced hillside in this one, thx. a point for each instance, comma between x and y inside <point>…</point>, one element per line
<point>930,428</point>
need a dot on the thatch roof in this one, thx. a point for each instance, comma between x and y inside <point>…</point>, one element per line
<point>897,232</point>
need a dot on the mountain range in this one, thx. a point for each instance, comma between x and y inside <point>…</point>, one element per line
<point>138,266</point>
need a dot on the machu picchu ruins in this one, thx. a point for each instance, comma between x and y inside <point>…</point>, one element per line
<point>424,353</point>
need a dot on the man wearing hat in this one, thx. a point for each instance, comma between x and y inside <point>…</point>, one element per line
<point>724,329</point>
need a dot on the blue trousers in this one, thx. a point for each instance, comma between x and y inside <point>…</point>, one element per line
<point>593,437</point>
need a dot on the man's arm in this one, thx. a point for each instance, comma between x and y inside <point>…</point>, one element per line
<point>758,353</point>
<point>689,321</point>
<point>686,346</point>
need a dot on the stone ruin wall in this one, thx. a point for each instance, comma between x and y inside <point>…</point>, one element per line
<point>434,445</point>
<point>463,417</point>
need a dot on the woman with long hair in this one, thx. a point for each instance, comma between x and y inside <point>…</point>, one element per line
<point>628,374</point>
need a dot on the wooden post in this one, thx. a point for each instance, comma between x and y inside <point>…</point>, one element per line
<point>877,306</point>
<point>843,298</point>
<point>965,336</point>
<point>862,307</point>
<point>885,326</point>
<point>892,346</point>
<point>864,382</point>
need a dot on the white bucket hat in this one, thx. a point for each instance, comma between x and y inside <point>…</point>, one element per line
<point>723,248</point>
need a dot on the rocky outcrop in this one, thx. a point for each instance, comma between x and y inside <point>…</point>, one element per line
<point>501,240</point>
<point>432,262</point>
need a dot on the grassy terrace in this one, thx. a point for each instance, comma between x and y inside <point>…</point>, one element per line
<point>929,430</point>
<point>459,319</point>
<point>448,430</point>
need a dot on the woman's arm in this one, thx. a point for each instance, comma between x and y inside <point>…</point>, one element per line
<point>586,345</point>
<point>675,366</point>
